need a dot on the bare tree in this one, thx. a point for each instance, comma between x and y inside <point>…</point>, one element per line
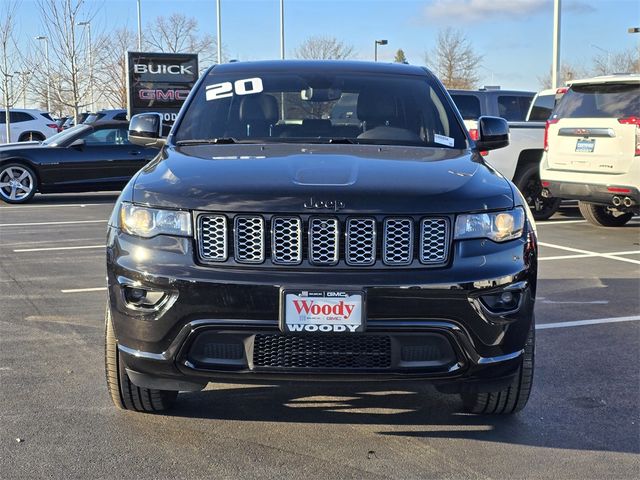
<point>627,61</point>
<point>60,19</point>
<point>179,33</point>
<point>454,60</point>
<point>324,48</point>
<point>111,54</point>
<point>9,60</point>
<point>567,72</point>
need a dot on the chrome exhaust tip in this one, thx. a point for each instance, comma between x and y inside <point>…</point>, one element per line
<point>628,202</point>
<point>617,201</point>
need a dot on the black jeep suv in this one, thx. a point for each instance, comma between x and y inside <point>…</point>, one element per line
<point>320,221</point>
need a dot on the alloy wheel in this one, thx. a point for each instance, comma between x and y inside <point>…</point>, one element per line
<point>16,183</point>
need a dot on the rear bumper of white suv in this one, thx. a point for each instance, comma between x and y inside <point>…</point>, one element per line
<point>615,195</point>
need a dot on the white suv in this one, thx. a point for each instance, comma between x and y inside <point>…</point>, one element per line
<point>27,125</point>
<point>592,148</point>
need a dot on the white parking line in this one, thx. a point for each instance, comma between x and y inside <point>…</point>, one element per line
<point>82,290</point>
<point>558,222</point>
<point>79,205</point>
<point>52,249</point>
<point>586,255</point>
<point>589,253</point>
<point>579,323</point>
<point>51,223</point>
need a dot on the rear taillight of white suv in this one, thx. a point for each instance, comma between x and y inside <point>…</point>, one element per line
<point>633,121</point>
<point>546,132</point>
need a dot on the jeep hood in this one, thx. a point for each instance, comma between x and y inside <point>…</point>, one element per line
<point>283,178</point>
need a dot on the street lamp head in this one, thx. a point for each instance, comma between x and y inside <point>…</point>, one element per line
<point>382,42</point>
<point>82,24</point>
<point>633,30</point>
<point>40,38</point>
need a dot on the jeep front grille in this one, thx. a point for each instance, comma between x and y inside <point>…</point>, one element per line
<point>323,241</point>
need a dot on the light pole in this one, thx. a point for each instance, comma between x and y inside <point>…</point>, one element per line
<point>139,27</point>
<point>555,65</point>
<point>375,48</point>
<point>605,51</point>
<point>46,54</point>
<point>281,29</point>
<point>219,28</point>
<point>23,74</point>
<point>88,25</point>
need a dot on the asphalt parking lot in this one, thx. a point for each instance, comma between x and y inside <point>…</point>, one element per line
<point>582,421</point>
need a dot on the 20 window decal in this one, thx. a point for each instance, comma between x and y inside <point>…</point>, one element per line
<point>245,86</point>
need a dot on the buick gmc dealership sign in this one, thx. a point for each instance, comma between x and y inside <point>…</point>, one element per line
<point>160,82</point>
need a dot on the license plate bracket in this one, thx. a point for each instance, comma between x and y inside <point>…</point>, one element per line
<point>585,146</point>
<point>322,311</point>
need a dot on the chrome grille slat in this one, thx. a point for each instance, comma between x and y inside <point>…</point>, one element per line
<point>213,238</point>
<point>249,239</point>
<point>397,246</point>
<point>360,241</point>
<point>324,238</point>
<point>434,240</point>
<point>286,240</point>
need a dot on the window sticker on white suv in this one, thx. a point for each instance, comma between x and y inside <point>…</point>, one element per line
<point>245,86</point>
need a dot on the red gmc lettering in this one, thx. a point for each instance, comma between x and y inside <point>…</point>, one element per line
<point>163,95</point>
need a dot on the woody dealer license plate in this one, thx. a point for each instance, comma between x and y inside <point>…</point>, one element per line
<point>324,311</point>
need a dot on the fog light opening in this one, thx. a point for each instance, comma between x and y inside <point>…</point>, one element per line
<point>139,297</point>
<point>501,302</point>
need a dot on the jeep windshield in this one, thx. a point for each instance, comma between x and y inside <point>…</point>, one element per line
<point>382,109</point>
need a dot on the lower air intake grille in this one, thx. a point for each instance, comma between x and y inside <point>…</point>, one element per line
<point>346,352</point>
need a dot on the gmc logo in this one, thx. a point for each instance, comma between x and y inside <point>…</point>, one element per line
<point>163,95</point>
<point>334,205</point>
<point>163,69</point>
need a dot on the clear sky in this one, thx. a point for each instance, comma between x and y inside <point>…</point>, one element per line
<point>515,36</point>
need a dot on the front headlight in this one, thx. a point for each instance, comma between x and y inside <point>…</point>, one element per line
<point>497,226</point>
<point>148,222</point>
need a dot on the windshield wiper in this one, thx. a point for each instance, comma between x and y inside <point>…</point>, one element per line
<point>209,141</point>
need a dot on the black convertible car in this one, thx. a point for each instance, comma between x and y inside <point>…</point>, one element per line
<point>84,158</point>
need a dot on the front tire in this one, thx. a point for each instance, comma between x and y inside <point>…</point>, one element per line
<point>124,394</point>
<point>511,399</point>
<point>602,215</point>
<point>31,136</point>
<point>18,183</point>
<point>528,182</point>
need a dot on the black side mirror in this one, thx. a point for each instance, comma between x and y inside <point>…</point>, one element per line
<point>493,132</point>
<point>79,143</point>
<point>146,130</point>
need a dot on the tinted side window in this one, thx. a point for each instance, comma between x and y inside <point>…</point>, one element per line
<point>107,136</point>
<point>47,116</point>
<point>513,108</point>
<point>542,108</point>
<point>468,105</point>
<point>120,116</point>
<point>600,101</point>
<point>17,117</point>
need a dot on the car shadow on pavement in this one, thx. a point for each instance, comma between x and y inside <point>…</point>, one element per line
<point>401,411</point>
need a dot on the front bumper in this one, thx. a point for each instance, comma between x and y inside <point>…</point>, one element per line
<point>434,322</point>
